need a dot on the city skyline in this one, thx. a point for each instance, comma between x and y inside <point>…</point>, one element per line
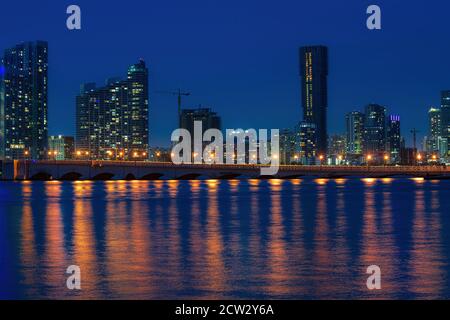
<point>364,68</point>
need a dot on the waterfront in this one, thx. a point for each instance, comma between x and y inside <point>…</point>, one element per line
<point>236,239</point>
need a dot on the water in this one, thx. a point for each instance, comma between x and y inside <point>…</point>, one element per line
<point>299,239</point>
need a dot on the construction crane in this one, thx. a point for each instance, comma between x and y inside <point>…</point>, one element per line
<point>414,133</point>
<point>178,93</point>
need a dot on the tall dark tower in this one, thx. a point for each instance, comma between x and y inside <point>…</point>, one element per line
<point>314,74</point>
<point>23,105</point>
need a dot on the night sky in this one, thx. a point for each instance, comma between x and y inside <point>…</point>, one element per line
<point>241,57</point>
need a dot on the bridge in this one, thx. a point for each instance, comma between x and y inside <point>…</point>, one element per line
<point>127,170</point>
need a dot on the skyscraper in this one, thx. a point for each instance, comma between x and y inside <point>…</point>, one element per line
<point>355,132</point>
<point>112,121</point>
<point>23,101</point>
<point>375,132</point>
<point>394,139</point>
<point>314,88</point>
<point>445,120</point>
<point>435,131</point>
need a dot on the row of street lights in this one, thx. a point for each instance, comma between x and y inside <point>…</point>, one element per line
<point>109,153</point>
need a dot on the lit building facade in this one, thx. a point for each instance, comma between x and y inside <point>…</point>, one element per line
<point>288,153</point>
<point>307,143</point>
<point>112,121</point>
<point>23,101</point>
<point>394,139</point>
<point>435,131</point>
<point>337,149</point>
<point>314,88</point>
<point>445,122</point>
<point>61,147</point>
<point>375,144</point>
<point>355,133</point>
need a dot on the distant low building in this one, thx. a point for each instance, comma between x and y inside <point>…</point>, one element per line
<point>61,147</point>
<point>307,143</point>
<point>408,156</point>
<point>208,118</point>
<point>160,154</point>
<point>337,149</point>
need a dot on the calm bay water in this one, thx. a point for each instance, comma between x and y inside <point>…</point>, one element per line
<point>299,239</point>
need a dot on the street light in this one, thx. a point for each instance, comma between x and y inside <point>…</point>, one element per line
<point>369,158</point>
<point>321,157</point>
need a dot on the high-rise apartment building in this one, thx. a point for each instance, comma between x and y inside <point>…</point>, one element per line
<point>112,121</point>
<point>394,139</point>
<point>445,121</point>
<point>23,101</point>
<point>355,133</point>
<point>375,132</point>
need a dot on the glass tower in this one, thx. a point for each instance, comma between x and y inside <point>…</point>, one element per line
<point>314,88</point>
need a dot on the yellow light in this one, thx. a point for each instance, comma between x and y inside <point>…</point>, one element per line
<point>135,154</point>
<point>321,157</point>
<point>49,153</point>
<point>87,153</point>
<point>419,157</point>
<point>144,154</point>
<point>369,157</point>
<point>158,154</point>
<point>386,158</point>
<point>434,157</point>
<point>78,153</point>
<point>55,153</point>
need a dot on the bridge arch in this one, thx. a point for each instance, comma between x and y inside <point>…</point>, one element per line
<point>71,176</point>
<point>189,176</point>
<point>130,176</point>
<point>152,176</point>
<point>105,176</point>
<point>41,176</point>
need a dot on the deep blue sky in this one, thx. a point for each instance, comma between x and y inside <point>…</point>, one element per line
<point>241,57</point>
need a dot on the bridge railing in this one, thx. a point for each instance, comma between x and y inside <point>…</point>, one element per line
<point>170,165</point>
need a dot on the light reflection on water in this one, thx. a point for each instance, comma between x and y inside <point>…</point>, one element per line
<point>302,239</point>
